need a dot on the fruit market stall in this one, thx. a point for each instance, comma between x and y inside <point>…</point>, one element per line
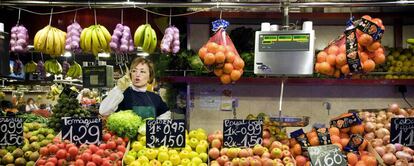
<point>230,106</point>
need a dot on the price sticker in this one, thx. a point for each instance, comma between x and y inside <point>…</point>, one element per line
<point>11,131</point>
<point>402,131</point>
<point>242,133</point>
<point>82,130</point>
<point>165,132</point>
<point>326,155</point>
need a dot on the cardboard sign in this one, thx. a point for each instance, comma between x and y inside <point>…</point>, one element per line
<point>242,133</point>
<point>326,155</point>
<point>11,131</point>
<point>402,131</point>
<point>82,130</point>
<point>168,132</point>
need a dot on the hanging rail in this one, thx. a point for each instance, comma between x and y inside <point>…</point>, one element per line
<point>128,4</point>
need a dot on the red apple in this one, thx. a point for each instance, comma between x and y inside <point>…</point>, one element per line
<point>255,162</point>
<point>214,153</point>
<point>287,160</point>
<point>244,162</point>
<point>222,159</point>
<point>266,155</point>
<point>244,153</point>
<point>223,151</point>
<point>216,143</point>
<point>266,134</point>
<point>286,153</point>
<point>266,142</point>
<point>276,144</point>
<point>258,150</point>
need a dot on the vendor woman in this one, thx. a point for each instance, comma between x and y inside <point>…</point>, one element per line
<point>125,96</point>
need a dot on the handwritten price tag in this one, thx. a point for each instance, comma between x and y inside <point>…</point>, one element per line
<point>82,130</point>
<point>11,131</point>
<point>326,155</point>
<point>402,131</point>
<point>168,132</point>
<point>242,133</point>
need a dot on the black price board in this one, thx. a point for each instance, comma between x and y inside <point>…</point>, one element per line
<point>82,130</point>
<point>165,132</point>
<point>242,133</point>
<point>326,155</point>
<point>402,131</point>
<point>11,131</point>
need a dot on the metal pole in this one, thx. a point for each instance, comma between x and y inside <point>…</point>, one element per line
<point>285,7</point>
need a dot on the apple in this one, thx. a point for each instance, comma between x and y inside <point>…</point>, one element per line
<point>129,159</point>
<point>266,142</point>
<point>289,164</point>
<point>300,160</point>
<point>167,163</point>
<point>210,137</point>
<point>228,163</point>
<point>201,136</point>
<point>278,160</point>
<point>193,134</point>
<point>214,153</point>
<point>143,140</point>
<point>276,144</point>
<point>244,162</point>
<point>203,142</point>
<point>184,154</point>
<point>267,162</point>
<point>162,149</point>
<point>203,157</point>
<point>258,150</point>
<point>172,151</point>
<point>235,161</point>
<point>188,148</point>
<point>200,148</point>
<point>276,153</point>
<point>266,134</point>
<point>255,162</point>
<point>141,153</point>
<point>287,160</point>
<point>285,147</point>
<point>213,163</point>
<point>219,135</point>
<point>151,154</point>
<point>286,153</point>
<point>163,156</point>
<point>250,150</point>
<point>196,160</point>
<point>155,163</point>
<point>185,161</point>
<point>232,152</point>
<point>266,155</point>
<point>216,143</point>
<point>244,153</point>
<point>175,159</point>
<point>203,164</point>
<point>137,146</point>
<point>143,160</point>
<point>223,151</point>
<point>193,154</point>
<point>222,159</point>
<point>193,142</point>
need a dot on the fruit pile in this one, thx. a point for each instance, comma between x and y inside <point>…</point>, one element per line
<point>220,54</point>
<point>332,61</point>
<point>108,153</point>
<point>50,40</point>
<point>19,39</point>
<point>146,38</point>
<point>66,107</point>
<point>36,135</point>
<point>95,39</point>
<point>194,153</point>
<point>73,37</point>
<point>170,43</point>
<point>52,66</point>
<point>271,130</point>
<point>121,41</point>
<point>400,64</point>
<point>75,70</point>
<point>30,67</point>
<point>270,153</point>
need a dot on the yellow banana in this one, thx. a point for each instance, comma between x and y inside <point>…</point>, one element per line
<point>147,39</point>
<point>102,40</point>
<point>153,44</point>
<point>88,40</point>
<point>40,41</point>
<point>139,35</point>
<point>105,33</point>
<point>82,38</point>
<point>56,43</point>
<point>62,41</point>
<point>49,42</point>
<point>95,42</point>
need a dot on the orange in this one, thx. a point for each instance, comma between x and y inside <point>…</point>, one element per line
<point>238,63</point>
<point>230,56</point>
<point>374,46</point>
<point>352,158</point>
<point>317,67</point>
<point>229,48</point>
<point>220,57</point>
<point>335,139</point>
<point>209,59</point>
<point>202,52</point>
<point>225,79</point>
<point>345,130</point>
<point>343,135</point>
<point>228,68</point>
<point>341,59</point>
<point>365,40</point>
<point>218,72</point>
<point>212,47</point>
<point>337,73</point>
<point>331,59</point>
<point>324,67</point>
<point>379,59</point>
<point>363,56</point>
<point>368,65</point>
<point>333,49</point>
<point>314,141</point>
<point>334,131</point>
<point>357,129</point>
<point>344,141</point>
<point>345,69</point>
<point>221,48</point>
<point>311,134</point>
<point>296,149</point>
<point>321,57</point>
<point>235,75</point>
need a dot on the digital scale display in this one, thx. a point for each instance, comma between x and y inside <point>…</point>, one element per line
<point>283,42</point>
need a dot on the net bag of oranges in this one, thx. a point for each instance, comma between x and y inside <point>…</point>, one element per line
<point>358,50</point>
<point>220,55</point>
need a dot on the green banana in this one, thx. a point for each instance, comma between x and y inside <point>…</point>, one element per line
<point>410,41</point>
<point>30,67</point>
<point>153,44</point>
<point>147,39</point>
<point>139,35</point>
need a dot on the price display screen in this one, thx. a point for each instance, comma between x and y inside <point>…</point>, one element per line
<point>82,130</point>
<point>284,42</point>
<point>11,131</point>
<point>165,132</point>
<point>242,133</point>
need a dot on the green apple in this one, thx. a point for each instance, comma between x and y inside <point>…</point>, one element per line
<point>175,159</point>
<point>143,159</point>
<point>203,157</point>
<point>204,142</point>
<point>132,153</point>
<point>172,151</point>
<point>141,153</point>
<point>129,159</point>
<point>155,163</point>
<point>188,148</point>
<point>193,134</point>
<point>185,161</point>
<point>201,148</point>
<point>167,163</point>
<point>193,142</point>
<point>137,146</point>
<point>135,163</point>
<point>143,140</point>
<point>196,161</point>
<point>151,154</point>
<point>163,156</point>
<point>276,153</point>
<point>184,154</point>
<point>163,149</point>
<point>193,154</point>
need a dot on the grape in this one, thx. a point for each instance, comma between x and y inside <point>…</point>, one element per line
<point>12,42</point>
<point>176,30</point>
<point>73,37</point>
<point>21,42</point>
<point>21,36</point>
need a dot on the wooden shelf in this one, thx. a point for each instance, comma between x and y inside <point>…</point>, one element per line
<point>290,81</point>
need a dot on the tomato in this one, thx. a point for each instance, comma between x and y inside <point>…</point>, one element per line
<point>106,137</point>
<point>120,154</point>
<point>119,162</point>
<point>41,162</point>
<point>56,140</point>
<point>79,162</point>
<point>100,152</point>
<point>121,148</point>
<point>107,152</point>
<point>87,151</point>
<point>70,145</point>
<point>61,145</point>
<point>119,141</point>
<point>50,164</point>
<point>61,153</point>
<point>90,164</point>
<point>102,146</point>
<point>52,159</point>
<point>44,151</point>
<point>62,162</point>
<point>93,148</point>
<point>86,157</point>
<point>53,149</point>
<point>126,139</point>
<point>96,159</point>
<point>111,145</point>
<point>73,151</point>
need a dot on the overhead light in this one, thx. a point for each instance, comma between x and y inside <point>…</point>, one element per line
<point>104,55</point>
<point>67,54</point>
<point>143,54</point>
